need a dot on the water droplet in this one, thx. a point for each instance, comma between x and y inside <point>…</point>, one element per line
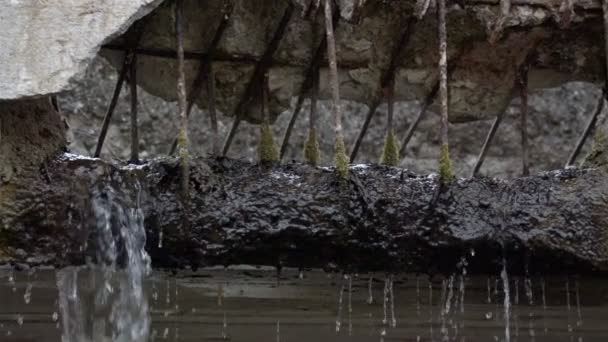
<point>370,295</point>
<point>20,319</point>
<point>489,315</point>
<point>27,296</point>
<point>55,316</point>
<point>301,275</point>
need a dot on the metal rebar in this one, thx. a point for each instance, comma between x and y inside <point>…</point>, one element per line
<point>260,69</point>
<point>430,97</point>
<point>387,78</point>
<point>333,69</point>
<point>182,101</point>
<point>520,82</point>
<point>588,128</point>
<point>134,124</point>
<point>445,167</point>
<point>204,72</point>
<point>212,111</point>
<point>523,94</point>
<point>311,71</point>
<point>108,117</point>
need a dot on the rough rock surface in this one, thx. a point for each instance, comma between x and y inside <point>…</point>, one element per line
<point>46,45</point>
<point>383,219</point>
<point>557,117</point>
<point>480,86</point>
<point>31,131</point>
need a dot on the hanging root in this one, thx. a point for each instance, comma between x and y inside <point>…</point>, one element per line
<point>312,154</point>
<point>267,150</point>
<point>566,13</point>
<point>390,153</point>
<point>422,6</point>
<point>499,25</point>
<point>445,165</point>
<point>340,158</point>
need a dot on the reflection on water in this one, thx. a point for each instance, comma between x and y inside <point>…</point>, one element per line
<point>247,304</point>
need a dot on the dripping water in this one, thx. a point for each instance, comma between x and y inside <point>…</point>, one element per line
<point>392,299</point>
<point>115,276</point>
<point>507,301</point>
<point>350,305</point>
<point>340,300</point>
<point>370,295</point>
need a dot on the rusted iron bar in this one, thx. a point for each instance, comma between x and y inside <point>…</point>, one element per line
<point>445,167</point>
<point>260,69</point>
<point>188,55</point>
<point>334,79</point>
<point>182,101</point>
<point>113,102</point>
<point>430,97</point>
<point>588,128</point>
<point>134,124</point>
<point>212,111</point>
<point>523,95</point>
<point>221,56</point>
<point>602,99</point>
<point>204,73</point>
<point>311,71</point>
<point>117,89</point>
<point>129,57</point>
<point>387,78</point>
<point>499,24</point>
<point>517,84</point>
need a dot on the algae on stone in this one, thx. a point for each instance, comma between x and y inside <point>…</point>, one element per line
<point>340,158</point>
<point>390,152</point>
<point>267,149</point>
<point>445,165</point>
<point>312,154</point>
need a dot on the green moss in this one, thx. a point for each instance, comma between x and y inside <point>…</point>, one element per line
<point>184,162</point>
<point>311,148</point>
<point>340,158</point>
<point>267,149</point>
<point>598,156</point>
<point>390,152</point>
<point>445,165</point>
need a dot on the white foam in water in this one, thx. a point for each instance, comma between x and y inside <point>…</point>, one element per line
<point>112,306</point>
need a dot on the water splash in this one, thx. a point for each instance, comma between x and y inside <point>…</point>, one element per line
<point>579,322</point>
<point>340,300</point>
<point>507,301</point>
<point>370,294</point>
<point>350,305</point>
<point>27,295</point>
<point>392,299</point>
<point>118,308</point>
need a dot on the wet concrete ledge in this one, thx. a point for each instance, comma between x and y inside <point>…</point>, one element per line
<point>294,215</point>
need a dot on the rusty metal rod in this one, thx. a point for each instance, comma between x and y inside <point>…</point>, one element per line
<point>134,124</point>
<point>108,117</point>
<point>387,78</point>
<point>430,97</point>
<point>588,128</point>
<point>182,100</point>
<point>523,94</point>
<point>305,88</point>
<point>260,69</point>
<point>203,73</point>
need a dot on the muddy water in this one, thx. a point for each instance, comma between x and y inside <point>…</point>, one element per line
<point>249,304</point>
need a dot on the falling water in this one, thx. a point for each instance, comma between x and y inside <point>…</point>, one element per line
<point>340,300</point>
<point>507,301</point>
<point>392,298</point>
<point>113,305</point>
<point>417,296</point>
<point>579,322</point>
<point>278,331</point>
<point>350,305</point>
<point>370,296</point>
<point>385,301</point>
<point>27,296</point>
